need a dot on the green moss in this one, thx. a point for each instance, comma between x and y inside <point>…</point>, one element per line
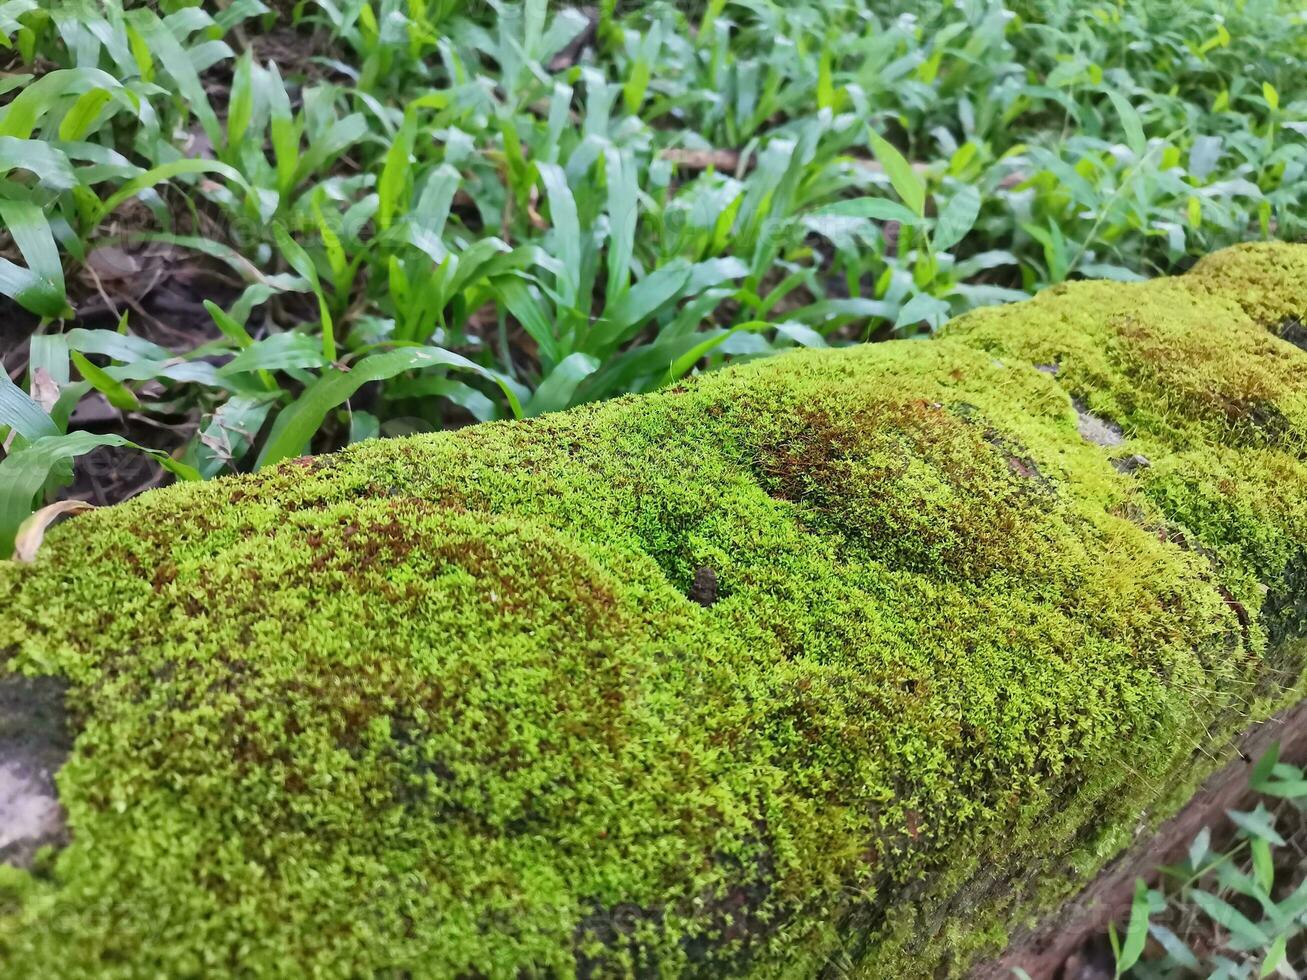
<point>443,706</point>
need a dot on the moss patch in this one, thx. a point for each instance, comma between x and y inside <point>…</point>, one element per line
<point>455,705</point>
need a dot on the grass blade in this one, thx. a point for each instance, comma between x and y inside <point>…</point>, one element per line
<point>556,391</point>
<point>907,182</point>
<point>298,422</point>
<point>957,218</point>
<point>19,412</point>
<point>42,289</point>
<point>117,393</point>
<point>567,231</point>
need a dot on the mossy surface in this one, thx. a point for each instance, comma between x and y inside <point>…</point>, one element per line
<point>445,706</point>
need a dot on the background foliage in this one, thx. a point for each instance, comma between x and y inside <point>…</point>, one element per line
<point>235,232</point>
<point>1236,911</point>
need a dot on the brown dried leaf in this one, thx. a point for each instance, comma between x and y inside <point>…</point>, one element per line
<point>32,531</point>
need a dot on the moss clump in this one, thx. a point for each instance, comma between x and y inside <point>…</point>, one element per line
<point>445,706</point>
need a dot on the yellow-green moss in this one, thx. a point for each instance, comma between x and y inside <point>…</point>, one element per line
<point>442,706</point>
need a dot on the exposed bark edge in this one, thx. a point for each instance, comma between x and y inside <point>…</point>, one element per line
<point>1043,950</point>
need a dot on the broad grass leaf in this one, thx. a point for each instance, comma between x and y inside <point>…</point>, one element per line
<point>287,351</point>
<point>1130,123</point>
<point>1257,823</point>
<point>40,286</point>
<point>117,393</point>
<point>566,231</point>
<point>907,182</point>
<point>161,173</point>
<point>520,302</point>
<point>18,411</point>
<point>177,63</point>
<point>20,116</point>
<point>395,173</point>
<point>47,163</point>
<point>297,423</point>
<point>1224,914</point>
<point>1136,935</point>
<point>682,365</point>
<point>78,120</point>
<point>623,212</point>
<point>875,208</point>
<point>1264,766</point>
<point>644,299</point>
<point>557,389</point>
<point>957,218</point>
<point>302,263</point>
<point>923,306</point>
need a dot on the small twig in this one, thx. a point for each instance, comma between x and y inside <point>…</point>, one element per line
<point>99,288</point>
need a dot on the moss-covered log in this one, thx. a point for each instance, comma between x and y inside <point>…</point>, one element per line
<point>844,661</point>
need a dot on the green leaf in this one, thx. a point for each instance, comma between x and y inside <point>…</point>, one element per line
<point>363,426</point>
<point>159,174</point>
<point>907,183</point>
<point>228,435</point>
<point>21,115</point>
<point>623,214</point>
<point>40,286</point>
<point>20,413</point>
<point>1226,915</point>
<point>1263,767</point>
<point>282,129</point>
<point>118,346</point>
<point>555,393</point>
<point>1287,789</point>
<point>1275,955</point>
<point>280,352</point>
<point>566,232</point>
<point>637,83</point>
<point>395,172</point>
<point>50,166</point>
<point>1175,947</point>
<point>298,422</point>
<point>1134,129</point>
<point>641,302</point>
<point>25,472</point>
<point>426,224</point>
<point>176,62</point>
<point>240,107</point>
<point>1257,824</point>
<point>957,218</point>
<point>923,306</point>
<point>682,364</point>
<point>519,301</point>
<point>1199,847</point>
<point>78,120</point>
<point>1263,863</point>
<point>302,263</point>
<point>875,208</point>
<point>118,394</point>
<point>1136,932</point>
<point>231,329</point>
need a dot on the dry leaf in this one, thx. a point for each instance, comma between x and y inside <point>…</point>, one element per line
<point>45,390</point>
<point>32,531</point>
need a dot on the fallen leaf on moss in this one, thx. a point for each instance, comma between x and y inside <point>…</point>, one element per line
<point>32,531</point>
